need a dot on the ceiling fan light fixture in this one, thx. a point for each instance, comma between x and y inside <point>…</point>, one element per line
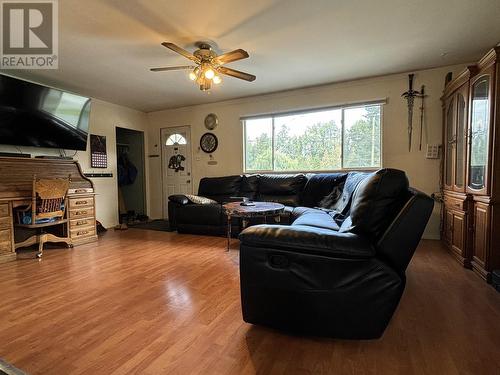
<point>207,66</point>
<point>217,79</point>
<point>209,73</point>
<point>206,85</point>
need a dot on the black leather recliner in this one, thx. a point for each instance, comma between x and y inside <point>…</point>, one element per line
<point>338,268</point>
<point>337,273</point>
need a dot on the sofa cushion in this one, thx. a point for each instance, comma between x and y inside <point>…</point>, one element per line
<point>299,211</point>
<point>376,201</point>
<point>220,188</point>
<point>249,186</point>
<point>302,238</point>
<point>317,218</point>
<point>319,186</point>
<point>199,200</point>
<point>285,189</point>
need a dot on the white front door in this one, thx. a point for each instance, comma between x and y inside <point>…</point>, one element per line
<point>176,162</point>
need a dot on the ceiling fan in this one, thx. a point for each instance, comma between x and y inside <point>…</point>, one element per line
<point>209,65</point>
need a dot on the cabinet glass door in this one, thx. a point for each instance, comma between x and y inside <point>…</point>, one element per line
<point>478,133</point>
<point>460,143</point>
<point>450,135</point>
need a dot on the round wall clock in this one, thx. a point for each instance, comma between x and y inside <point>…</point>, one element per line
<point>211,121</point>
<point>209,142</point>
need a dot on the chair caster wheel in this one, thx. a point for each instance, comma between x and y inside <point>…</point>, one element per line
<point>70,246</point>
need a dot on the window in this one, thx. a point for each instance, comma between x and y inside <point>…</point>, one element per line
<point>322,140</point>
<point>176,139</point>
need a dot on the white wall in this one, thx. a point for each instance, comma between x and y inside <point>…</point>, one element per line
<point>423,173</point>
<point>104,118</point>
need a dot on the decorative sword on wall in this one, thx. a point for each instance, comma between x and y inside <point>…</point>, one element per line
<point>410,96</point>
<point>422,97</point>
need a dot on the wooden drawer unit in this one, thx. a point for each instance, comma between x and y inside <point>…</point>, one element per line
<point>6,235</point>
<point>82,233</point>
<point>83,222</point>
<point>455,203</point>
<point>17,190</point>
<point>80,191</point>
<point>83,212</point>
<point>81,202</point>
<point>81,215</point>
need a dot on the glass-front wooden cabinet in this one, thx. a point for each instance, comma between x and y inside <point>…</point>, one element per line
<point>456,204</point>
<point>471,165</point>
<point>455,123</point>
<point>478,134</point>
<point>460,149</point>
<point>449,116</point>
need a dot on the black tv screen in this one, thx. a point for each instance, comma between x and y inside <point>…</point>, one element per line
<point>40,116</point>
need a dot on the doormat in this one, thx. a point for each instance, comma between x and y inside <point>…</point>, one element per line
<point>160,225</point>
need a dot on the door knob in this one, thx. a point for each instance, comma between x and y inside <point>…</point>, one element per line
<point>188,181</point>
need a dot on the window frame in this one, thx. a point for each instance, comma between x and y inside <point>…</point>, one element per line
<point>176,143</point>
<point>381,103</point>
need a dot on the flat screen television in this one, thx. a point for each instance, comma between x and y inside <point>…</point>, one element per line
<point>40,116</point>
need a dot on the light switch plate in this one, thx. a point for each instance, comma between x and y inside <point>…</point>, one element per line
<point>432,152</point>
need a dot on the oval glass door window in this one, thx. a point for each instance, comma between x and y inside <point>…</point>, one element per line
<point>176,139</point>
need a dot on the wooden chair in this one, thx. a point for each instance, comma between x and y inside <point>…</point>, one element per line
<point>47,209</point>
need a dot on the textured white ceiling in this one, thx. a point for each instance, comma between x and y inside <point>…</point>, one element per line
<point>108,46</point>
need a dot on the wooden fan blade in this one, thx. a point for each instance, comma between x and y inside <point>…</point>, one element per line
<point>236,73</point>
<point>167,68</point>
<point>235,55</point>
<point>180,51</point>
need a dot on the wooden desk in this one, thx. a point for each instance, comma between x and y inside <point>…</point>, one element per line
<point>16,178</point>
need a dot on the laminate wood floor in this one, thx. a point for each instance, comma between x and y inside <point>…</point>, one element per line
<point>147,302</point>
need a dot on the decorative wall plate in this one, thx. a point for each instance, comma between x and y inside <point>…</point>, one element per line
<point>211,121</point>
<point>209,142</point>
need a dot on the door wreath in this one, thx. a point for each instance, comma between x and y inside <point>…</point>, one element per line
<point>175,162</point>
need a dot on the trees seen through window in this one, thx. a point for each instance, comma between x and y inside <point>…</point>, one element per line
<point>315,141</point>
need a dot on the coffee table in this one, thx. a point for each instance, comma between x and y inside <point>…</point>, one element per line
<point>259,209</point>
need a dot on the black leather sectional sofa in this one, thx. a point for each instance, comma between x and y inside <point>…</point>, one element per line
<point>294,191</point>
<point>335,265</point>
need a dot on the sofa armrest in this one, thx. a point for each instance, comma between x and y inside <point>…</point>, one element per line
<point>400,240</point>
<point>307,239</point>
<point>179,198</point>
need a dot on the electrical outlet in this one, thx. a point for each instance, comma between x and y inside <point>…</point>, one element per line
<point>432,152</point>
